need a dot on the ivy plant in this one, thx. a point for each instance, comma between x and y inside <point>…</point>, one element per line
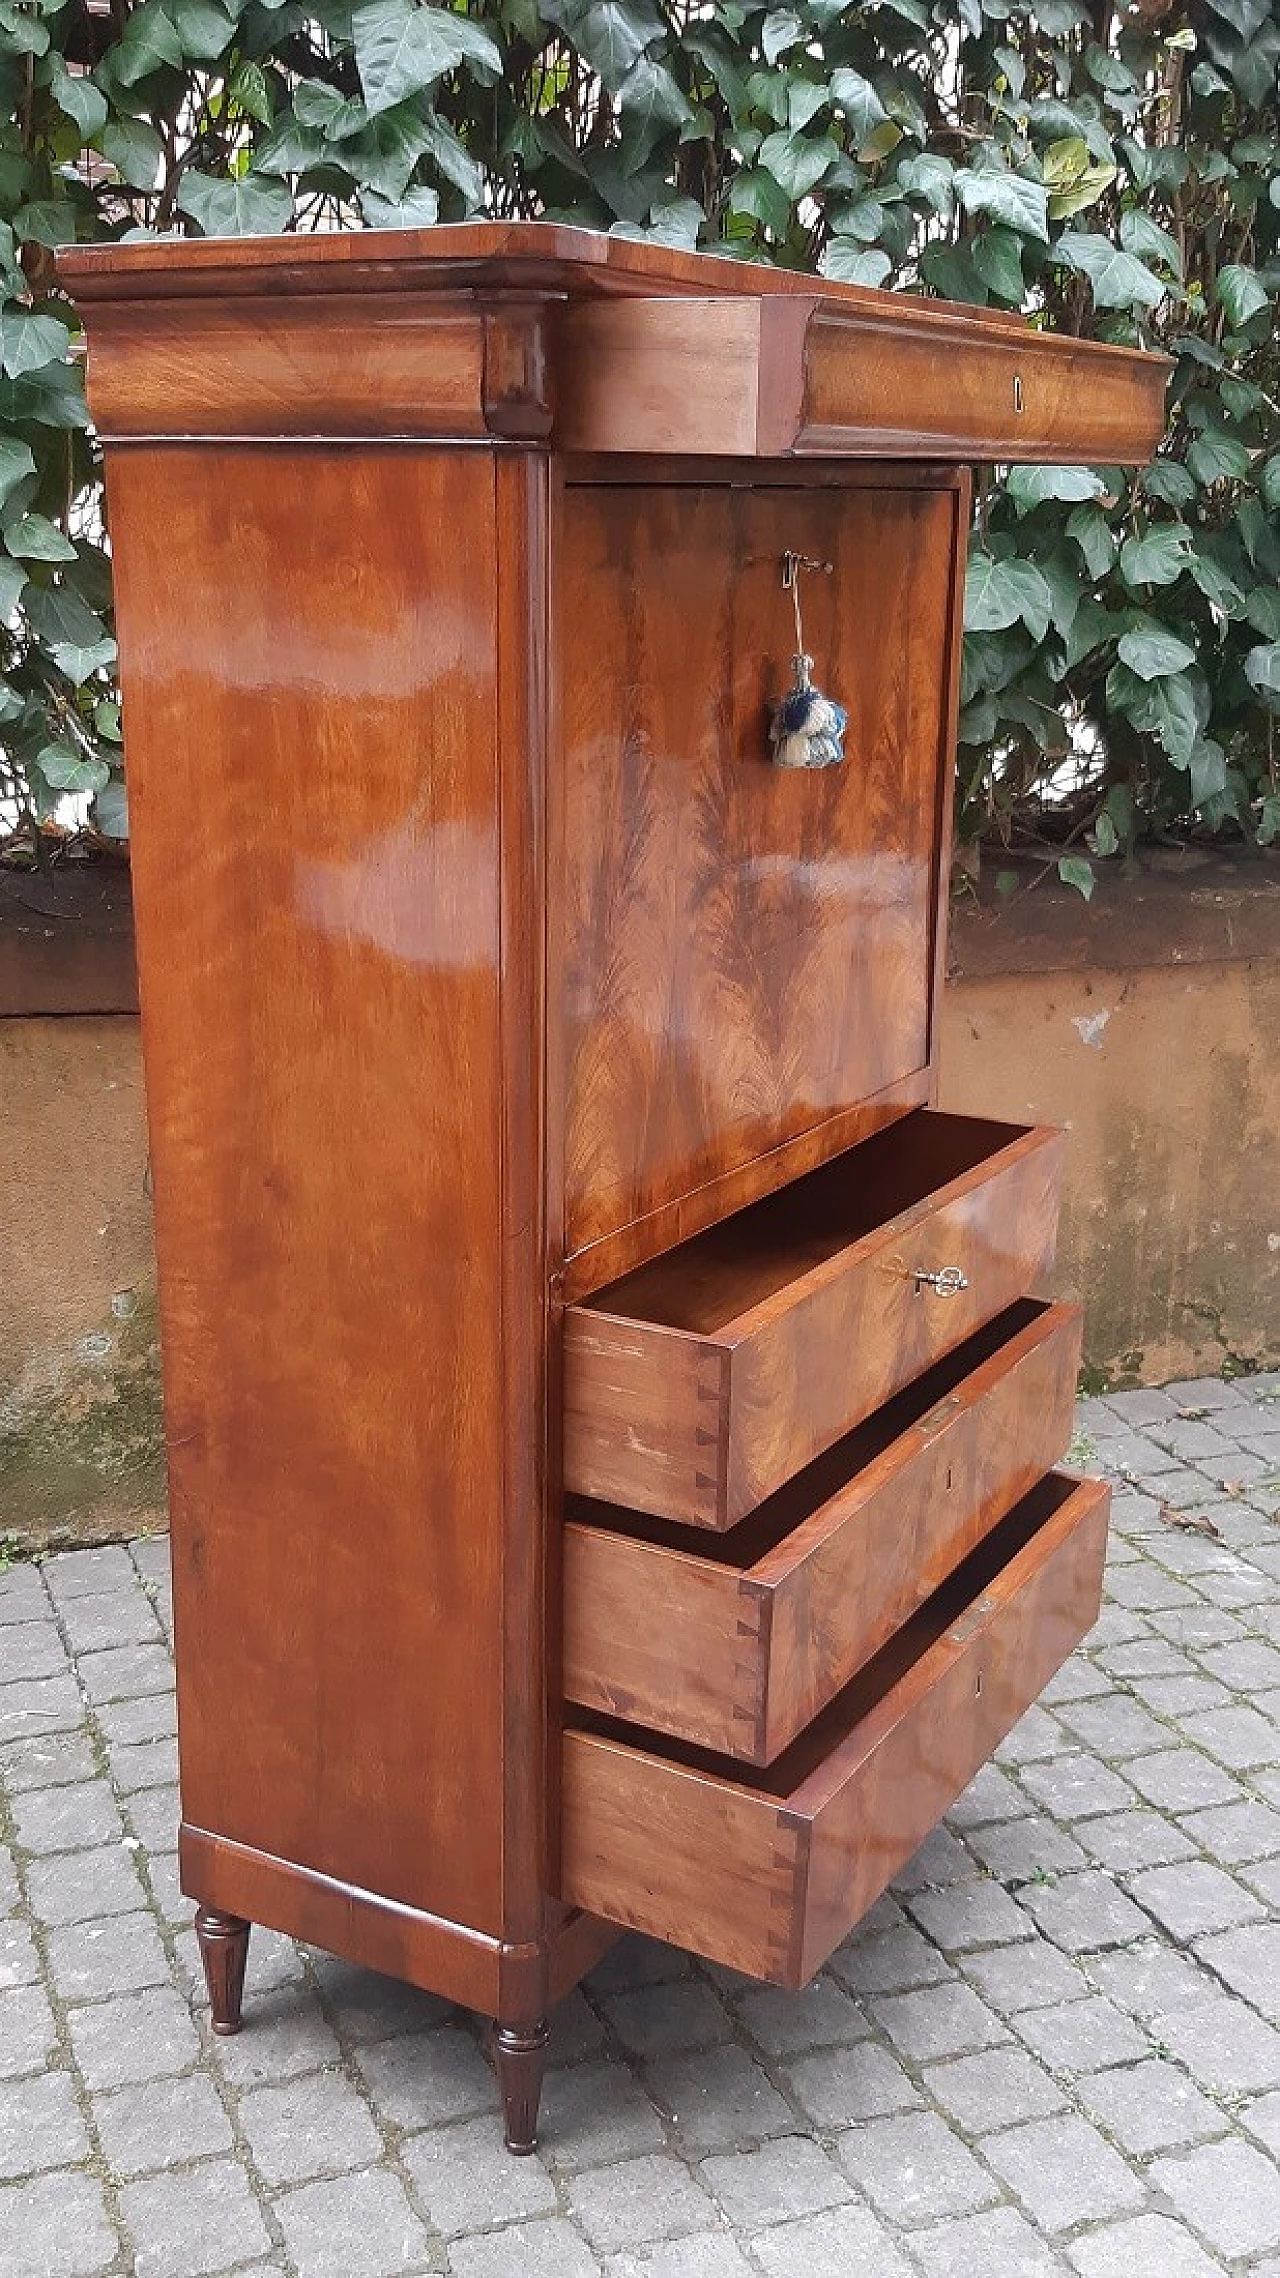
<point>1114,173</point>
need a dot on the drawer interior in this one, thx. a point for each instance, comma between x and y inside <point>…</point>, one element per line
<point>774,1520</point>
<point>890,1669</point>
<point>706,1284</point>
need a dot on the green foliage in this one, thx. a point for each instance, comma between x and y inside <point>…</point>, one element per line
<point>1113,174</point>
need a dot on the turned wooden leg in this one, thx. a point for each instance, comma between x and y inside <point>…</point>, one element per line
<point>520,2054</point>
<point>224,1947</point>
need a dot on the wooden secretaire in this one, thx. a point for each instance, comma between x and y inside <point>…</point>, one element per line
<point>611,1420</point>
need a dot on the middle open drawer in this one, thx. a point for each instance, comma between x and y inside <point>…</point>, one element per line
<point>736,1642</point>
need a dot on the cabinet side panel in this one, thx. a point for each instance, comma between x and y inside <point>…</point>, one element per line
<point>308,647</point>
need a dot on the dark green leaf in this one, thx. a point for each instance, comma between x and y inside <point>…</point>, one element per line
<point>33,538</point>
<point>1009,198</point>
<point>27,342</point>
<point>74,92</point>
<point>1242,293</point>
<point>1001,593</point>
<point>1157,559</point>
<point>1118,280</point>
<point>1092,532</point>
<point>1075,871</point>
<point>1262,669</point>
<point>253,205</point>
<point>1153,653</point>
<point>402,49</point>
<point>1029,487</point>
<point>1217,458</point>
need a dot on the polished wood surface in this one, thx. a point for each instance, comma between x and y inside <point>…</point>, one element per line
<point>318,848</point>
<point>223,1941</point>
<point>699,1384</point>
<point>767,1876</point>
<point>747,946</point>
<point>773,362</point>
<point>737,1646</point>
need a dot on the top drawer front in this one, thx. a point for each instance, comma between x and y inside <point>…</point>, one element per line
<point>700,1384</point>
<point>746,949</point>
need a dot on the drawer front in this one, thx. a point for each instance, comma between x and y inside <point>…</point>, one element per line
<point>746,949</point>
<point>739,1652</point>
<point>698,1386</point>
<point>769,1877</point>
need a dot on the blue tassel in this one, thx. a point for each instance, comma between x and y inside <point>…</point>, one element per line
<point>808,727</point>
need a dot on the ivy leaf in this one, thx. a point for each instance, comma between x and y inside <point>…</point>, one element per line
<point>997,257</point>
<point>254,205</point>
<point>75,95</point>
<point>1009,198</point>
<point>1144,237</point>
<point>1153,653</point>
<point>1165,479</point>
<point>1092,532</point>
<point>1242,294</point>
<point>1217,458</point>
<point>849,263</point>
<point>1262,669</point>
<point>403,49</point>
<point>13,579</point>
<point>999,593</point>
<point>613,34</point>
<point>1157,559</point>
<point>66,769</point>
<point>17,462</point>
<point>799,162</point>
<point>860,103</point>
<point>653,97</point>
<point>135,150</point>
<point>206,31</point>
<point>77,640</point>
<point>28,343</point>
<point>1118,280</point>
<point>111,810</point>
<point>782,28</point>
<point>1075,871</point>
<point>33,538</point>
<point>930,178</point>
<point>1029,487</point>
<point>150,43</point>
<point>418,209</point>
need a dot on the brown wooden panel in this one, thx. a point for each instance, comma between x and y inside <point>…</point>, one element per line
<point>768,1876</point>
<point>812,1298</point>
<point>316,804</point>
<point>746,948</point>
<point>738,1646</point>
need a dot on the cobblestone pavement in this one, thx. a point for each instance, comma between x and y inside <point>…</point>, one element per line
<point>1054,2048</point>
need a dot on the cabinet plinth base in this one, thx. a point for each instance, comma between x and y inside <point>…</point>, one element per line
<point>520,2055</point>
<point>223,1940</point>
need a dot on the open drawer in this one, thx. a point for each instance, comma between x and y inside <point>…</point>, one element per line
<point>737,1643</point>
<point>699,1384</point>
<point>768,1875</point>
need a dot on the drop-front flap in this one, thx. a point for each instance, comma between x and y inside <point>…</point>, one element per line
<point>533,332</point>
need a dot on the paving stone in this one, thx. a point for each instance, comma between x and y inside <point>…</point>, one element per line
<point>593,2114</point>
<point>1197,1627</point>
<point>1247,1666</point>
<point>28,2031</point>
<point>938,2021</point>
<point>1114,1727</point>
<point>1151,1978</point>
<point>969,1914</point>
<point>548,2249</point>
<point>154,1816</point>
<point>1193,1898</point>
<point>1265,1880</point>
<point>1074,1787</point>
<point>163,2123</point>
<point>193,2224</point>
<point>133,2037</point>
<point>829,2245</point>
<point>1146,1588</point>
<point>148,1716</point>
<point>47,1820</point>
<point>109,1618</point>
<point>709,2254</point>
<point>124,1671</point>
<point>47,1761</point>
<point>1179,1779</point>
<point>941,1859</point>
<point>1064,2172</point>
<point>721,2098</point>
<point>82,1573</point>
<point>1146,2243</point>
<point>1124,1840</point>
<point>32,1649</point>
<point>1000,2244</point>
<point>1224,2045</point>
<point>1262,2119</point>
<point>1035,1735</point>
<point>152,1764</point>
<point>1081,2036</point>
<point>314,2124</point>
<point>23,1596</point>
<point>1150,2107</point>
<point>467,2180</point>
<point>844,2085</point>
<point>19,1961</point>
<point>822,2016</point>
<point>39,1705</point>
<point>1238,1737</point>
<point>1022,1850</point>
<point>81,1886</point>
<point>1083,1913</point>
<point>789,2177</point>
<point>914,2169</point>
<point>993,2090</point>
<point>361,2225</point>
<point>55,2227</point>
<point>40,2125</point>
<point>636,1961</point>
<point>1174,1697</point>
<point>638,2202</point>
<point>1014,1978</point>
<point>9,1892</point>
<point>990,1796</point>
<point>290,2035</point>
<point>422,2079</point>
<point>367,2006</point>
<point>1230,2192</point>
<point>656,2019</point>
<point>896,1961</point>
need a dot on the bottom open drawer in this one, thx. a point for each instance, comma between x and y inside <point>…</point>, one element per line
<point>768,1874</point>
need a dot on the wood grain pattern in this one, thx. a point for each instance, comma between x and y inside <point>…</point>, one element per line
<point>769,1876</point>
<point>737,1647</point>
<point>747,949</point>
<point>806,1309</point>
<point>321,981</point>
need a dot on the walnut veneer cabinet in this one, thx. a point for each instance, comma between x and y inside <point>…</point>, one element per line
<point>611,1423</point>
